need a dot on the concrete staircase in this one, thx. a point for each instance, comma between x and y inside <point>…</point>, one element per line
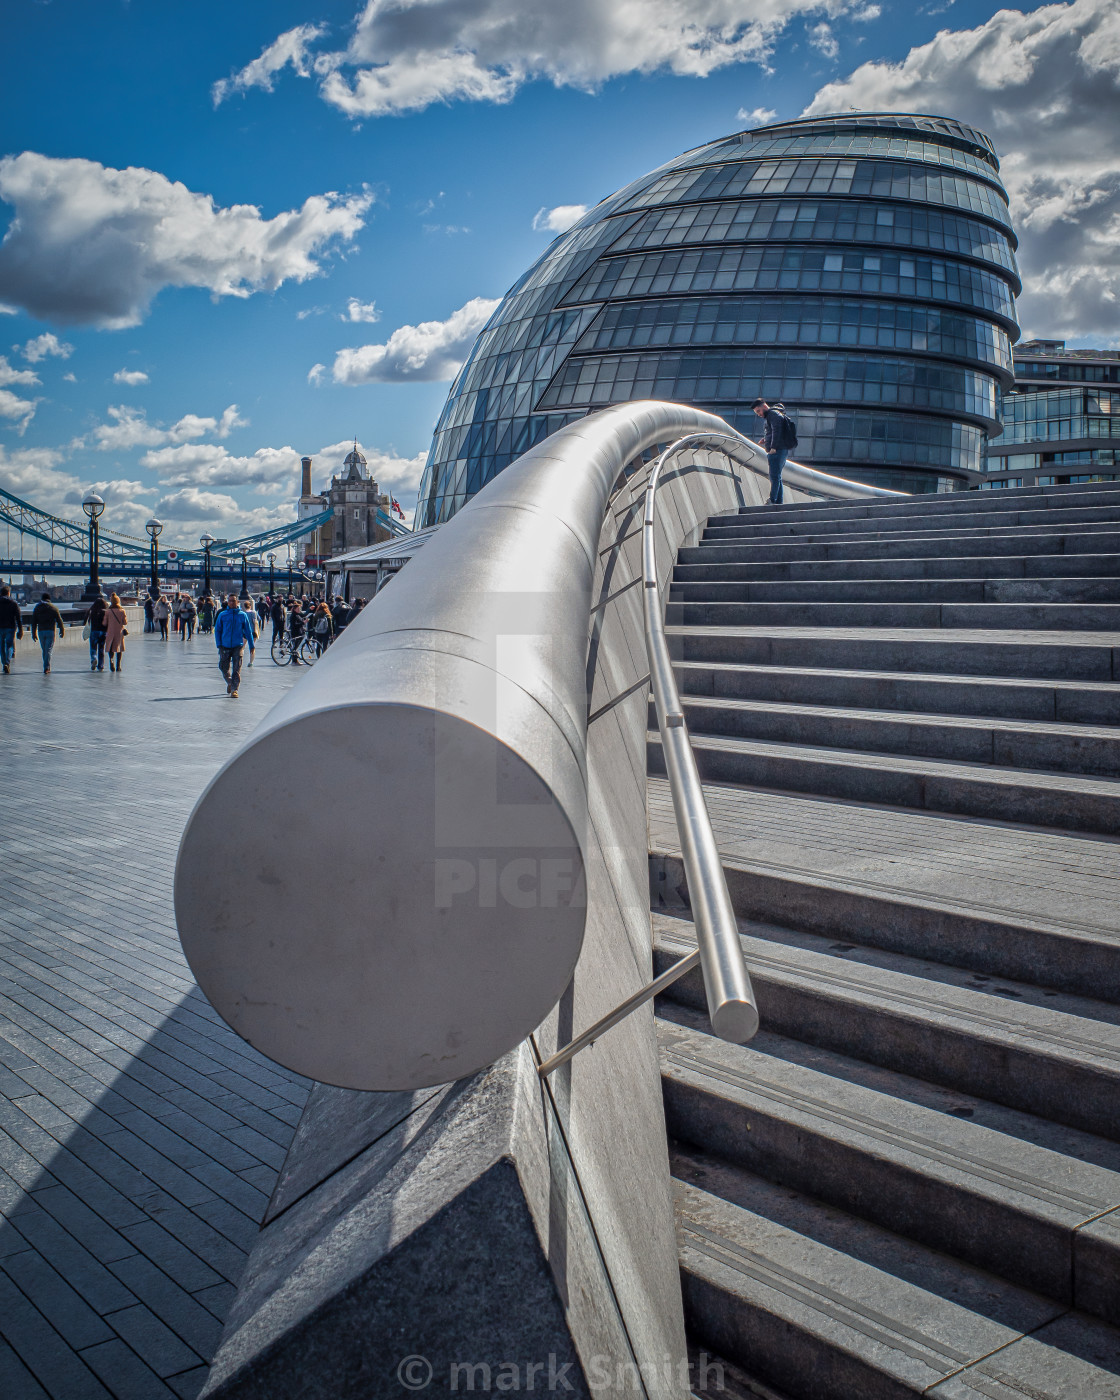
<point>907,718</point>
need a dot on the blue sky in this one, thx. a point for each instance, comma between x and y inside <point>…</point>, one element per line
<point>397,161</point>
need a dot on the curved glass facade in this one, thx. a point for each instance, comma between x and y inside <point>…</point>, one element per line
<point>858,269</point>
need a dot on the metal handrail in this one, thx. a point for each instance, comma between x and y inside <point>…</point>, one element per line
<point>731,1001</point>
<point>732,1008</point>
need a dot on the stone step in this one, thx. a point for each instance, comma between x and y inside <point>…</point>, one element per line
<point>969,567</point>
<point>1093,494</point>
<point>1057,800</point>
<point>1064,702</point>
<point>1039,655</point>
<point>889,591</point>
<point>1001,901</point>
<point>1063,617</point>
<point>825,1307</point>
<point>1055,1056</point>
<point>918,546</point>
<point>1093,750</point>
<point>920,1162</point>
<point>764,526</point>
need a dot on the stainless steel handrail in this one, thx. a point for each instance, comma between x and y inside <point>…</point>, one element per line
<point>732,1008</point>
<point>731,1001</point>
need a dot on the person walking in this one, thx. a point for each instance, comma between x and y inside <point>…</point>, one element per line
<point>116,633</point>
<point>206,614</point>
<point>297,627</point>
<point>279,619</point>
<point>340,615</point>
<point>11,627</point>
<point>322,627</point>
<point>97,620</point>
<point>188,616</point>
<point>161,612</point>
<point>149,619</point>
<point>779,438</point>
<point>232,630</point>
<point>46,621</point>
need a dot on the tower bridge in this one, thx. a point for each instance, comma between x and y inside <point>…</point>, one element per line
<point>125,555</point>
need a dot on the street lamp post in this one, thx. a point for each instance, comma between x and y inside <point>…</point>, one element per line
<point>271,575</point>
<point>206,541</point>
<point>244,575</point>
<point>289,571</point>
<point>93,506</point>
<point>154,528</point>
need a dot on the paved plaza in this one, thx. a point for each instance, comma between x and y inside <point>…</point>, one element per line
<point>139,1137</point>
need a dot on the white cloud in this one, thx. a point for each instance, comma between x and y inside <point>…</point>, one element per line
<point>866,13</point>
<point>433,350</point>
<point>206,465</point>
<point>560,219</point>
<point>70,377</point>
<point>16,410</point>
<point>44,345</point>
<point>130,376</point>
<point>91,245</point>
<point>290,48</point>
<point>10,375</point>
<point>823,40</point>
<point>361,311</point>
<point>406,54</point>
<point>757,116</point>
<point>315,374</point>
<point>129,428</point>
<point>1046,87</point>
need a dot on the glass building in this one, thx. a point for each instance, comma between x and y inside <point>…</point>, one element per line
<point>859,269</point>
<point>1061,424</point>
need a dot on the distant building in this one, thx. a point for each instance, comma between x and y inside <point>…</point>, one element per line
<point>859,268</point>
<point>1061,423</point>
<point>359,509</point>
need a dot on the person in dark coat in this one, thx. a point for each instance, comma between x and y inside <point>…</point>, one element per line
<point>279,619</point>
<point>46,621</point>
<point>98,620</point>
<point>11,627</point>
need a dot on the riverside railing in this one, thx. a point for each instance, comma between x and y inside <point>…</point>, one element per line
<point>448,728</point>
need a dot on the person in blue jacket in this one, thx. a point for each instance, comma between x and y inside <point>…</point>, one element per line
<point>232,629</point>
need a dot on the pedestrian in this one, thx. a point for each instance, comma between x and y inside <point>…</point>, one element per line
<point>206,614</point>
<point>97,620</point>
<point>11,627</point>
<point>355,608</point>
<point>276,612</point>
<point>263,606</point>
<point>46,621</point>
<point>297,628</point>
<point>116,633</point>
<point>149,619</point>
<point>339,616</point>
<point>322,627</point>
<point>254,621</point>
<point>232,630</point>
<point>188,616</point>
<point>779,438</point>
<point>161,612</point>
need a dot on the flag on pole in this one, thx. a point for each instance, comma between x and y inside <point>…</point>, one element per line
<point>396,507</point>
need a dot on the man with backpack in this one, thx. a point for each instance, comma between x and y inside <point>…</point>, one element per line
<point>780,438</point>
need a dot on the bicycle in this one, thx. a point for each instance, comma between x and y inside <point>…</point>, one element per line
<point>284,650</point>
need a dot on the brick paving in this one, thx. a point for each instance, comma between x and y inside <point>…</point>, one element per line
<point>139,1137</point>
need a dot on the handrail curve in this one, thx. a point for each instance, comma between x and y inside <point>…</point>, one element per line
<point>444,737</point>
<point>732,1008</point>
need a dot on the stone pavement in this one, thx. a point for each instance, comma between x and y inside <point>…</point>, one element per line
<point>139,1137</point>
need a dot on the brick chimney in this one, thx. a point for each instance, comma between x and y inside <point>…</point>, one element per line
<point>306,476</point>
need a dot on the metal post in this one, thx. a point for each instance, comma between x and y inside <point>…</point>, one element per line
<point>271,575</point>
<point>244,575</point>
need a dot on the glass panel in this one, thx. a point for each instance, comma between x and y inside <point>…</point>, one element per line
<point>806,269</point>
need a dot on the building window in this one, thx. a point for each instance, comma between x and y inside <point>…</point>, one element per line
<point>357,513</point>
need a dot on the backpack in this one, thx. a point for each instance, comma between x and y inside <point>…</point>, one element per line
<point>789,432</point>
